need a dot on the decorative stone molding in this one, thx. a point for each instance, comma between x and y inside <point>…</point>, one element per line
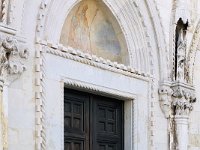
<point>192,52</point>
<point>71,83</point>
<point>6,9</point>
<point>40,100</point>
<point>41,18</point>
<point>93,60</point>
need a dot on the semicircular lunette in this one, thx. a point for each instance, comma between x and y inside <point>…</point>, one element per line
<point>92,28</point>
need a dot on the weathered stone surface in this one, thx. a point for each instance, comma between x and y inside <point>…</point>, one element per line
<point>118,48</point>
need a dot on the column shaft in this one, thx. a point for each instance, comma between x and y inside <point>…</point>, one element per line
<point>181,132</point>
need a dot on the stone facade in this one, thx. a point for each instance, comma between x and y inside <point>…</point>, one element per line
<point>142,52</point>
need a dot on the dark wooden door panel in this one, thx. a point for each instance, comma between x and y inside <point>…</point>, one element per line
<point>76,120</point>
<point>74,145</point>
<point>106,146</point>
<point>92,122</point>
<point>108,123</point>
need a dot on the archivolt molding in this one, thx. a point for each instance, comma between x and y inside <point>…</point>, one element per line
<point>7,17</point>
<point>160,39</point>
<point>163,60</point>
<point>139,35</point>
<point>6,10</point>
<point>140,56</point>
<point>41,19</point>
<point>192,52</point>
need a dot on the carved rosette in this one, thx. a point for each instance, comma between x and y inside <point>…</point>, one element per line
<point>12,58</point>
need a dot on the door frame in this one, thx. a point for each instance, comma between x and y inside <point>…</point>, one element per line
<point>128,105</point>
<point>62,72</point>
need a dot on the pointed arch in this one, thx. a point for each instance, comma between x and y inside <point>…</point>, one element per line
<point>133,28</point>
<point>92,28</point>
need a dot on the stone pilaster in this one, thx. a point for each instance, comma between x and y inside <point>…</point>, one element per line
<point>12,64</point>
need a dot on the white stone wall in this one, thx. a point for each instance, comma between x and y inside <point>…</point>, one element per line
<point>147,27</point>
<point>195,115</point>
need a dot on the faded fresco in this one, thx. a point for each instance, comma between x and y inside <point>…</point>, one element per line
<point>88,28</point>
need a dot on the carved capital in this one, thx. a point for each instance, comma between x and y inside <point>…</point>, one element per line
<point>183,98</point>
<point>12,57</point>
<point>165,93</point>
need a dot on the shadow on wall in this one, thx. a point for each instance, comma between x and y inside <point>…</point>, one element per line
<point>92,28</point>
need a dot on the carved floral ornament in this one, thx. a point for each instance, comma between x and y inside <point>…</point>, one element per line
<point>12,58</point>
<point>176,99</point>
<point>183,98</point>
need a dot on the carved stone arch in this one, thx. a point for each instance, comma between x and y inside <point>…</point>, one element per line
<point>49,28</point>
<point>133,27</point>
<point>195,43</point>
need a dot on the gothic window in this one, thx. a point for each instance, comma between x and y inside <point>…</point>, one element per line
<point>92,28</point>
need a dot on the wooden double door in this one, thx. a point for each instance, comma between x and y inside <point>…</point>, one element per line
<point>92,122</point>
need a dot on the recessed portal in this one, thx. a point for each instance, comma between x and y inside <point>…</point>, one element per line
<point>92,28</point>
